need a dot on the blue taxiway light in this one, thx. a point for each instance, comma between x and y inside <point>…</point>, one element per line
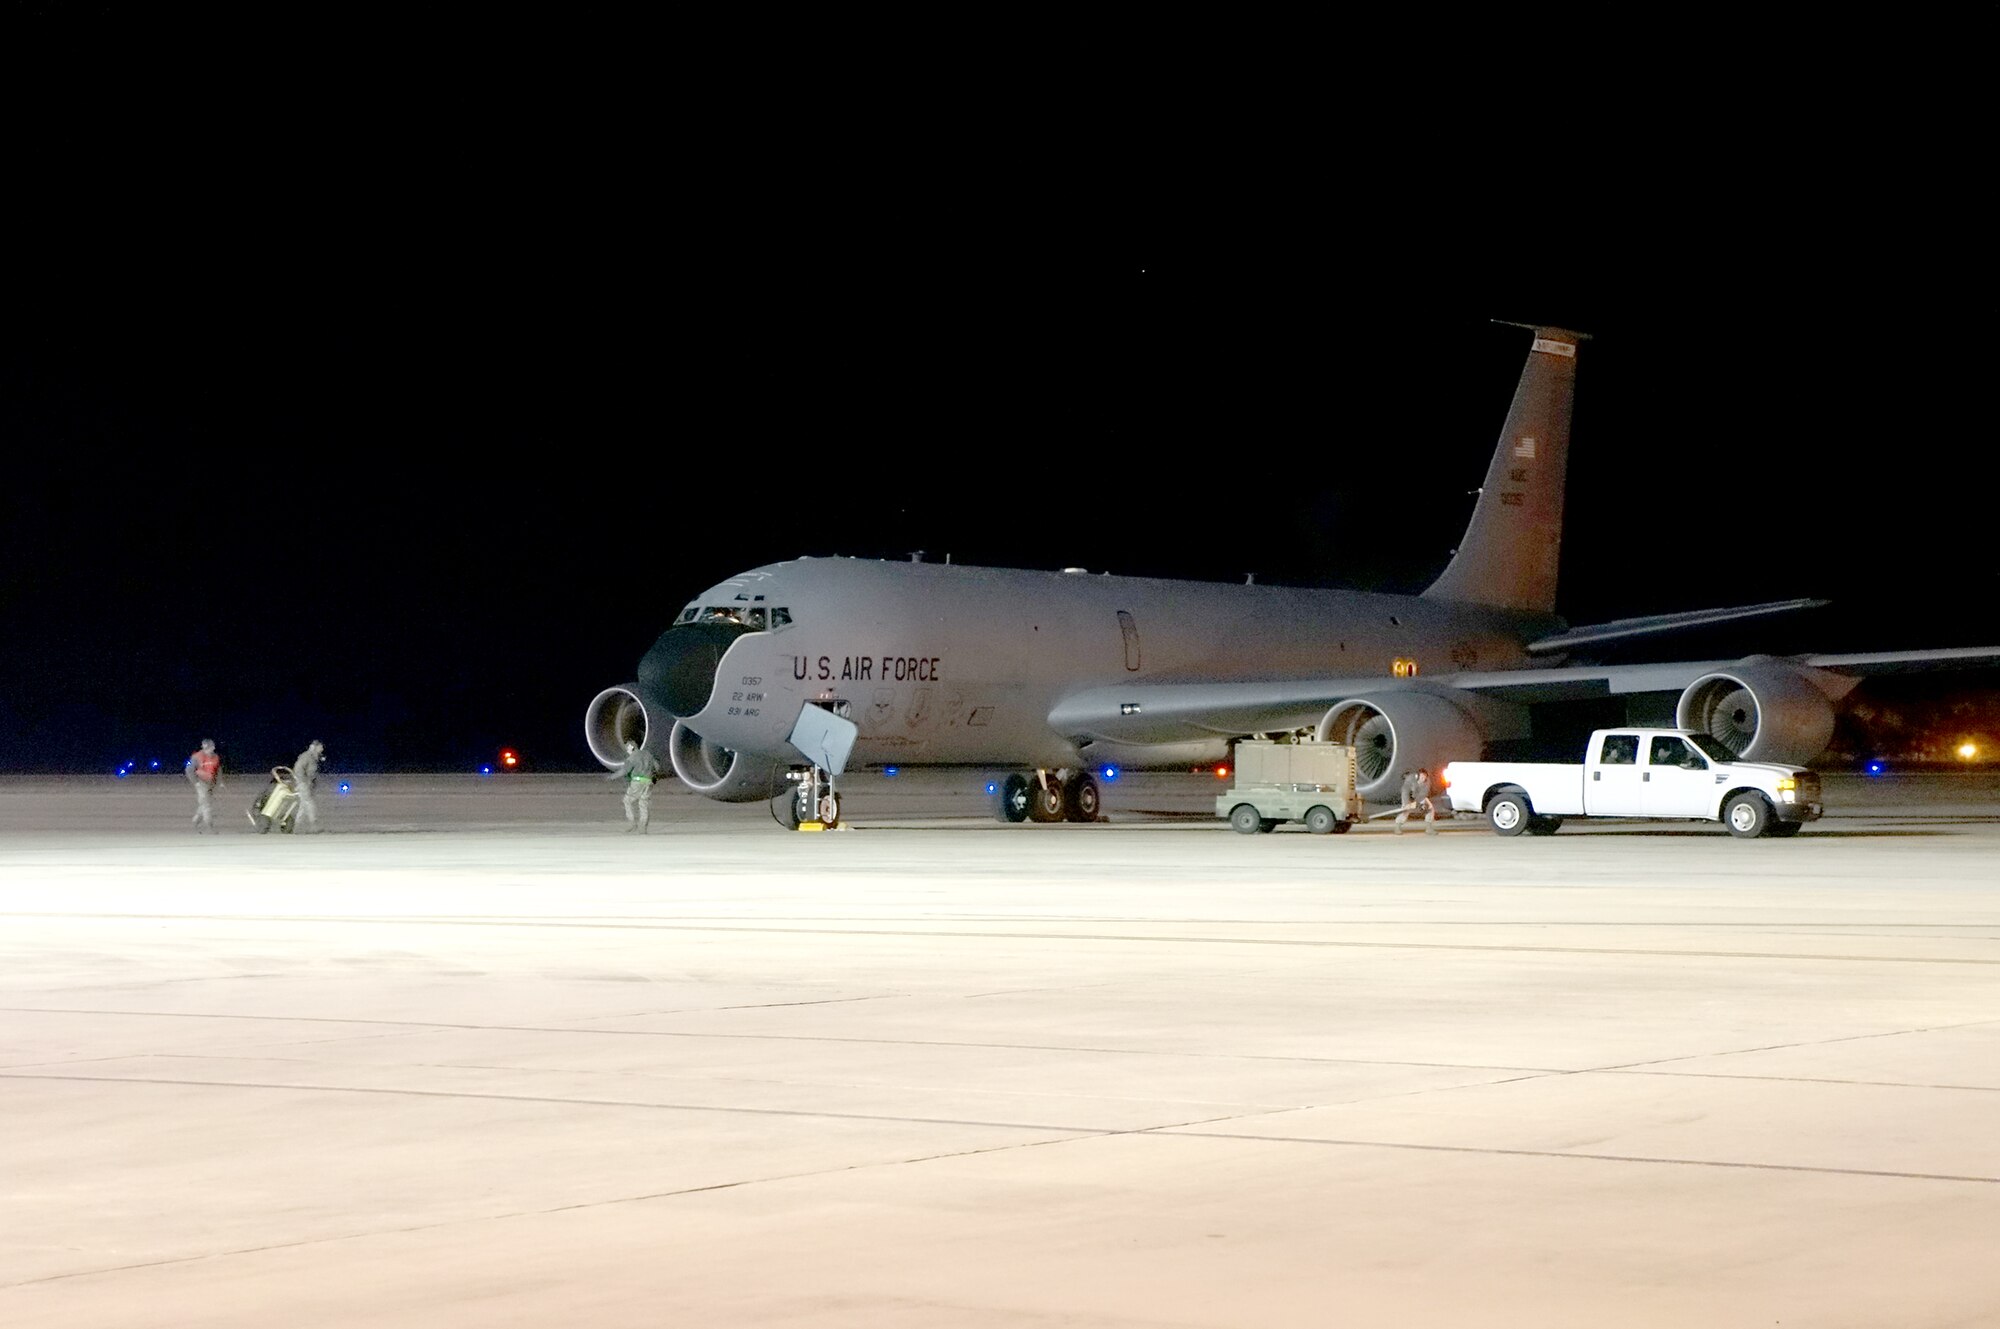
<point>992,788</point>
<point>156,766</point>
<point>1876,768</point>
<point>1108,774</point>
<point>120,772</point>
<point>486,770</point>
<point>892,771</point>
<point>343,786</point>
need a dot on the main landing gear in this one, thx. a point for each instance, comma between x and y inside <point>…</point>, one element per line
<point>1048,796</point>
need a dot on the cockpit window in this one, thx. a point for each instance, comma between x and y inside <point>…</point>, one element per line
<point>757,618</point>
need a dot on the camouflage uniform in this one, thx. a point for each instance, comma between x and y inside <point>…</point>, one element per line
<point>638,770</point>
<point>1417,794</point>
<point>204,772</point>
<point>305,771</point>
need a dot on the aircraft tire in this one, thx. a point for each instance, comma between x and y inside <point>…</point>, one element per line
<point>1045,801</point>
<point>1243,819</point>
<point>785,808</point>
<point>1509,812</point>
<point>1321,821</point>
<point>1747,816</point>
<point>1013,802</point>
<point>1081,799</point>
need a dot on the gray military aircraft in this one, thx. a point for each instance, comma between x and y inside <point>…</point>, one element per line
<point>1053,675</point>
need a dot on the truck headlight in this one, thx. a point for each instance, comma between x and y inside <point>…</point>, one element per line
<point>1787,783</point>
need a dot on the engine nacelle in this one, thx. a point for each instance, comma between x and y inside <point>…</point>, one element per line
<point>1762,709</point>
<point>720,773</point>
<point>617,716</point>
<point>1397,732</point>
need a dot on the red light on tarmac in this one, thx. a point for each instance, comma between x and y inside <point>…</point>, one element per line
<point>1222,772</point>
<point>509,758</point>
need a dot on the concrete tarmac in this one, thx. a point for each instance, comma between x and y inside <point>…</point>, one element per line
<point>473,1056</point>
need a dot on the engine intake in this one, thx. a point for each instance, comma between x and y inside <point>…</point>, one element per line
<point>616,716</point>
<point>1400,731</point>
<point>1761,709</point>
<point>718,772</point>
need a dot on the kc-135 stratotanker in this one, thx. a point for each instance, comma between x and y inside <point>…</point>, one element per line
<point>1045,678</point>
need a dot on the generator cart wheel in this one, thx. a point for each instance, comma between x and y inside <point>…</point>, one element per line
<point>1321,821</point>
<point>1243,819</point>
<point>1747,816</point>
<point>1509,812</point>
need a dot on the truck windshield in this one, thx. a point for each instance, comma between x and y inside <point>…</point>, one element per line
<point>1711,748</point>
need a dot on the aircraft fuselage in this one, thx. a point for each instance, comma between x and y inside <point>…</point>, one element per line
<point>956,665</point>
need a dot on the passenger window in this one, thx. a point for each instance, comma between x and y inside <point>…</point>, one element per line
<point>1674,752</point>
<point>1620,750</point>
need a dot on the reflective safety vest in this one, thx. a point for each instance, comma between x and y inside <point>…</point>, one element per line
<point>205,764</point>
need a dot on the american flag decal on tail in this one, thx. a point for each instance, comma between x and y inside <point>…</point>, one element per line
<point>1525,447</point>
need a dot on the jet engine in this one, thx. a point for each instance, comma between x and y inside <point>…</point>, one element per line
<point>717,772</point>
<point>617,715</point>
<point>1400,731</point>
<point>1762,709</point>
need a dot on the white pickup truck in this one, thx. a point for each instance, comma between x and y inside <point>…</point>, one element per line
<point>1660,773</point>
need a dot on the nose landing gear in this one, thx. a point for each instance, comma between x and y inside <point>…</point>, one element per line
<point>811,803</point>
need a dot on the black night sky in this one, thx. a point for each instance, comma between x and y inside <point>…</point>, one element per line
<point>416,461</point>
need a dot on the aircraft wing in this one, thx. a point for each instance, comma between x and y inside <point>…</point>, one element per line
<point>1653,625</point>
<point>1177,712</point>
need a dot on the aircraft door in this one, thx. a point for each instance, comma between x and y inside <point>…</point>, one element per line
<point>1676,780</point>
<point>1129,626</point>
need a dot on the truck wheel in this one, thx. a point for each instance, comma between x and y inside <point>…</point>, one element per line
<point>1321,821</point>
<point>1747,816</point>
<point>1785,830</point>
<point>1243,819</point>
<point>1545,825</point>
<point>1509,812</point>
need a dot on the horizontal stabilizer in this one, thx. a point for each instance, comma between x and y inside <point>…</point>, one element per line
<point>1654,625</point>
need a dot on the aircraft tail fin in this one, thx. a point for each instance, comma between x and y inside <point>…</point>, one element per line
<point>1511,549</point>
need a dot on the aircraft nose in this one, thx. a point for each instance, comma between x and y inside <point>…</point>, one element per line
<point>679,671</point>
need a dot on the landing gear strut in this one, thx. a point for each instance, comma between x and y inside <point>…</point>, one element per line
<point>1048,796</point>
<point>811,799</point>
